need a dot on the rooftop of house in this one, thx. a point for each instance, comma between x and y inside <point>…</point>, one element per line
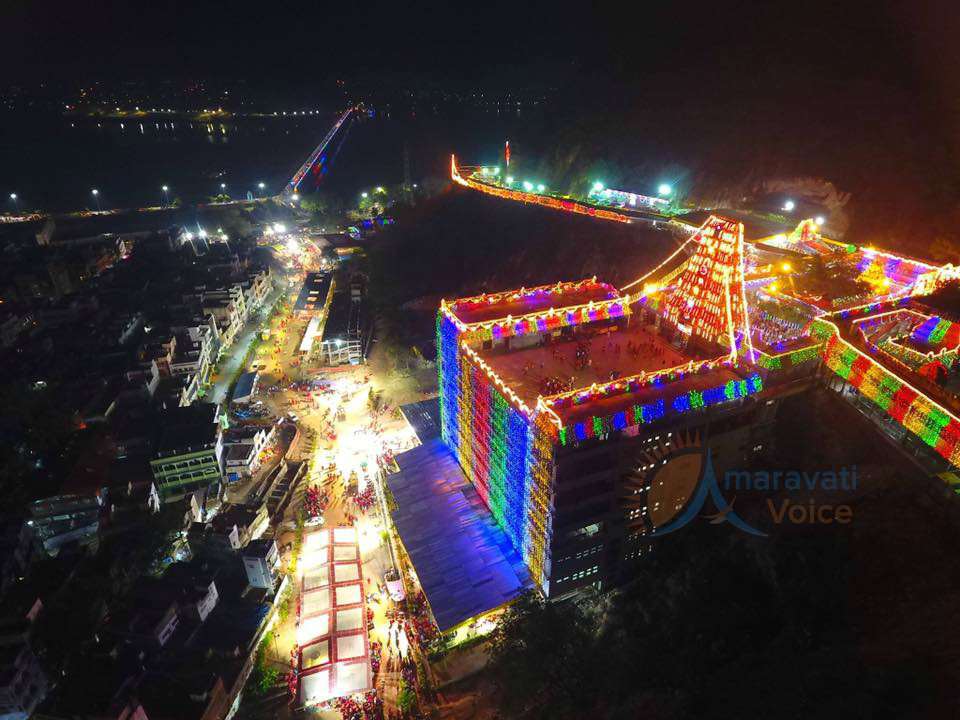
<point>493,306</point>
<point>239,515</point>
<point>187,429</point>
<point>260,548</point>
<point>313,293</point>
<point>245,385</point>
<point>239,451</point>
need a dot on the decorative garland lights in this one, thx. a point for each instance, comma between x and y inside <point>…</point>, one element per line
<point>643,414</point>
<point>937,333</point>
<point>632,384</point>
<point>497,446</point>
<point>535,198</point>
<point>932,423</point>
<point>506,444</point>
<point>709,301</point>
<point>795,357</point>
<point>549,320</point>
<point>531,294</point>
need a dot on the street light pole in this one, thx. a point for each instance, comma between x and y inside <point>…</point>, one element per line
<point>96,196</point>
<point>16,204</point>
<point>166,197</point>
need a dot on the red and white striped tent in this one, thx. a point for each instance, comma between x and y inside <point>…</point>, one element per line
<point>334,650</point>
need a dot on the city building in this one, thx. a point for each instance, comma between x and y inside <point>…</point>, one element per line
<point>150,620</point>
<point>194,586</point>
<point>563,406</point>
<point>258,287</point>
<point>552,397</point>
<point>64,519</point>
<point>242,448</point>
<point>235,526</point>
<point>189,453</point>
<point>557,403</point>
<point>261,560</point>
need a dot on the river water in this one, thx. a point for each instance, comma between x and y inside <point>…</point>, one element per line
<point>53,162</point>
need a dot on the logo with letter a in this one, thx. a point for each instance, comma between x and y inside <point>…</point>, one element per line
<point>670,487</point>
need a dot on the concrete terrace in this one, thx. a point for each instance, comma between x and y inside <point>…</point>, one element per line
<point>635,349</point>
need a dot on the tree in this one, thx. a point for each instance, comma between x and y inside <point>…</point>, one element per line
<point>542,659</point>
<point>320,204</point>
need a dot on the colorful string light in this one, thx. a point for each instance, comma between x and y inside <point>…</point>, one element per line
<point>670,404</point>
<point>536,198</point>
<point>555,317</point>
<point>709,301</point>
<point>932,423</point>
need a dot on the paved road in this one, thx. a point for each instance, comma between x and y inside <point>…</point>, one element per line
<point>231,360</point>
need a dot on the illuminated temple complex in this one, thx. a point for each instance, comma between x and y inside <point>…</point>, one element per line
<point>558,403</point>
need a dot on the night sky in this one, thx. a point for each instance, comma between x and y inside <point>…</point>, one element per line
<point>803,40</point>
<point>823,74</point>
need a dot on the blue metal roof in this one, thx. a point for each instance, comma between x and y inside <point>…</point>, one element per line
<point>465,563</point>
<point>244,386</point>
<point>424,418</point>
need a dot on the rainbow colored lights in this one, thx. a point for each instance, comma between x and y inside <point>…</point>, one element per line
<point>937,334</point>
<point>609,305</point>
<point>794,357</point>
<point>508,444</point>
<point>933,424</point>
<point>498,448</point>
<point>643,414</point>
